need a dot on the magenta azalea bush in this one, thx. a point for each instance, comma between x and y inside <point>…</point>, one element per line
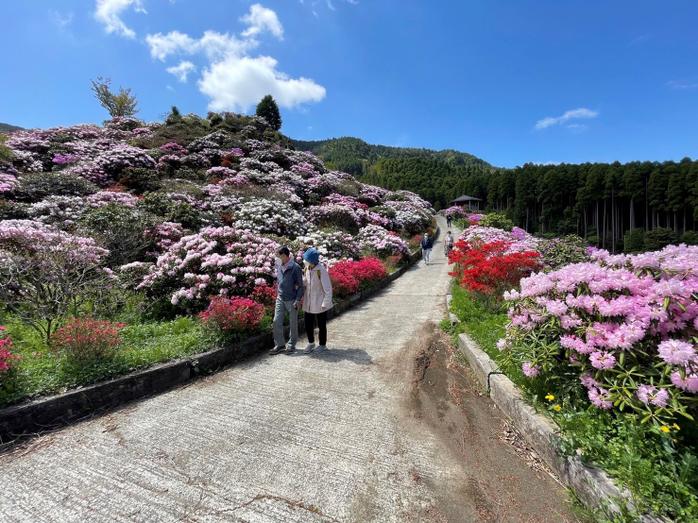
<point>624,328</point>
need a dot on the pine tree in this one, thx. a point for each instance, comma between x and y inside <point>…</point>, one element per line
<point>268,109</point>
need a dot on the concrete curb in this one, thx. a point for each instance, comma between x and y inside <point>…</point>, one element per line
<point>51,412</point>
<point>590,484</point>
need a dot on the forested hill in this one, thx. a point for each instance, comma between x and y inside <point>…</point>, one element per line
<point>438,176</point>
<point>7,128</point>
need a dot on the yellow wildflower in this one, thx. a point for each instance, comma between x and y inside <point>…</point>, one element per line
<point>549,397</point>
<point>557,408</point>
<point>665,429</point>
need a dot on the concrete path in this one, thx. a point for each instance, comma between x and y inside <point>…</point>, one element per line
<point>282,438</point>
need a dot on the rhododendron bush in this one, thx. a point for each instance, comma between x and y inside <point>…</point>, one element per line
<point>228,315</point>
<point>7,358</point>
<point>84,340</point>
<point>217,260</point>
<point>350,276</point>
<point>45,272</point>
<point>624,327</point>
<point>489,268</point>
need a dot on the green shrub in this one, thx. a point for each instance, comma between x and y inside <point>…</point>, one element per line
<point>10,210</point>
<point>690,238</point>
<point>634,240</point>
<point>498,220</point>
<point>140,179</point>
<point>36,186</point>
<point>563,251</point>
<point>5,152</point>
<point>161,204</point>
<point>658,238</point>
<point>120,229</point>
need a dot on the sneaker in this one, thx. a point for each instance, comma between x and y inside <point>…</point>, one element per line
<point>276,350</point>
<point>321,348</point>
<point>309,348</point>
<point>289,350</point>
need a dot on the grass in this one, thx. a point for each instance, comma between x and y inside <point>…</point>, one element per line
<point>40,372</point>
<point>662,476</point>
<point>478,320</point>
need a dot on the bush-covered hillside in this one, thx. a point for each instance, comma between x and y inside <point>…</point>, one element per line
<point>138,224</point>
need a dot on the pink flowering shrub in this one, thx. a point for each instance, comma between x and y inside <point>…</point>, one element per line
<point>455,212</point>
<point>625,327</point>
<point>517,240</point>
<point>380,242</point>
<point>45,272</point>
<point>7,357</point>
<point>217,261</point>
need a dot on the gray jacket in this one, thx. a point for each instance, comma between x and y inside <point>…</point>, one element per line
<point>290,282</point>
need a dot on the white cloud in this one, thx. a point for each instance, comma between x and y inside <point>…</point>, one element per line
<point>260,19</point>
<point>182,70</point>
<point>237,83</point>
<point>678,84</point>
<point>232,78</point>
<point>215,45</point>
<point>573,114</point>
<point>161,46</point>
<point>108,12</point>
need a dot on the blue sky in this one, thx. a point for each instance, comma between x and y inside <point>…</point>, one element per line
<point>509,81</point>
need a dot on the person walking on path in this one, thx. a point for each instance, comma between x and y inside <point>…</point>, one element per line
<point>427,245</point>
<point>449,220</point>
<point>290,293</point>
<point>448,243</point>
<point>317,299</point>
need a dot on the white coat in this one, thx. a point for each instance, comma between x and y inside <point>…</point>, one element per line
<point>318,290</point>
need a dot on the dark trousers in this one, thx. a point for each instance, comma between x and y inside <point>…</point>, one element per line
<point>310,321</point>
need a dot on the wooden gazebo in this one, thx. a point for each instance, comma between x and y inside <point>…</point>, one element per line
<point>467,202</point>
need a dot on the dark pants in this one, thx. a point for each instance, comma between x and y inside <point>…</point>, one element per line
<point>310,320</point>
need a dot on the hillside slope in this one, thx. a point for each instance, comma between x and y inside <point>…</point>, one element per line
<point>436,175</point>
<point>8,128</point>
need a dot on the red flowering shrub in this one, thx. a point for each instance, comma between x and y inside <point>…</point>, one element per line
<point>233,315</point>
<point>264,294</point>
<point>488,268</point>
<point>348,276</point>
<point>87,339</point>
<point>6,356</point>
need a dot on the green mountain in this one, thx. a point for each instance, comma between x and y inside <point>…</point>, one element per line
<point>438,176</point>
<point>7,128</point>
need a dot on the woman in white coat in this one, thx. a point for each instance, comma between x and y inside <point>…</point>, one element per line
<point>317,299</point>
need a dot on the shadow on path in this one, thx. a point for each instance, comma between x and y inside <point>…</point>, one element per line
<point>335,355</point>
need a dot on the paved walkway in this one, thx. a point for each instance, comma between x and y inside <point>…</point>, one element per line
<point>283,438</point>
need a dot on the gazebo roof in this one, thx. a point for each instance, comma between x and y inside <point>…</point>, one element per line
<point>466,198</point>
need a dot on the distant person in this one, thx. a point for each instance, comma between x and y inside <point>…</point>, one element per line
<point>317,299</point>
<point>448,243</point>
<point>427,245</point>
<point>449,221</point>
<point>290,280</point>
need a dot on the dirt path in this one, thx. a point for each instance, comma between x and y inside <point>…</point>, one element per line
<point>384,427</point>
